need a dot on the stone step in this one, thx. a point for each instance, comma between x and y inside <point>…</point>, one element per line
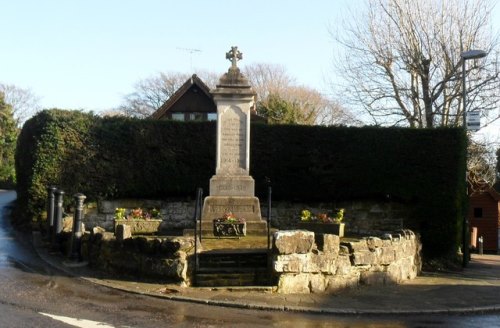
<point>225,279</point>
<point>231,259</point>
<point>223,268</point>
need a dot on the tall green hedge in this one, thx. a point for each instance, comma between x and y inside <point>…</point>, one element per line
<point>120,157</point>
<point>8,135</point>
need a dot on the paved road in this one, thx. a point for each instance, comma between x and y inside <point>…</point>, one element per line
<point>34,294</point>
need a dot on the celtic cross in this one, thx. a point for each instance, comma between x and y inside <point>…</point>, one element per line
<point>234,55</point>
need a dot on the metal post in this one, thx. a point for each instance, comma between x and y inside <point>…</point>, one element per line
<point>480,245</point>
<point>76,237</point>
<point>465,232</point>
<point>466,55</point>
<point>59,194</point>
<point>197,215</point>
<point>50,211</point>
<point>269,192</point>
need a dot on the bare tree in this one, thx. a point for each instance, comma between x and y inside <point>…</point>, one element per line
<point>150,93</point>
<point>268,79</point>
<point>277,90</point>
<point>24,102</point>
<point>402,61</point>
<point>481,163</point>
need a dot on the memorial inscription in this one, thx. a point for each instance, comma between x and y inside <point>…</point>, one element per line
<point>232,141</point>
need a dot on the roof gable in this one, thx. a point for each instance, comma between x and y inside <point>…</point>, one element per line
<point>193,84</point>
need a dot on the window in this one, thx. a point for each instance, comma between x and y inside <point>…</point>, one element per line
<point>478,212</point>
<point>196,116</point>
<point>178,116</point>
<point>212,116</point>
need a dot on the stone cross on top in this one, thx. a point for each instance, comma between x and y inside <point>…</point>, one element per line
<point>234,55</point>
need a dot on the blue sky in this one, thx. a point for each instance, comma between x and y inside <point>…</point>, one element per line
<point>87,54</point>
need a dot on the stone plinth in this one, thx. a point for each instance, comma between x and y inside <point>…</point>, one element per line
<point>248,208</point>
<point>232,186</point>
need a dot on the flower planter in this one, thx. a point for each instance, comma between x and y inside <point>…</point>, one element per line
<point>229,229</point>
<point>325,228</point>
<point>140,227</point>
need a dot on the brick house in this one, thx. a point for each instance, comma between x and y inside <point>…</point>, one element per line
<point>192,102</point>
<point>484,214</point>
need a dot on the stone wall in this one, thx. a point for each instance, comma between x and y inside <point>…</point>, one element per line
<point>365,218</point>
<point>302,262</point>
<point>165,258</point>
<point>360,217</point>
<point>305,263</point>
<point>177,215</point>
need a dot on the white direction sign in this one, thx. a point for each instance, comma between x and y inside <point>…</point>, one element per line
<point>473,120</point>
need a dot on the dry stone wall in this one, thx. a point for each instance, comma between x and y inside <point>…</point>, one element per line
<point>366,218</point>
<point>165,258</point>
<point>307,263</point>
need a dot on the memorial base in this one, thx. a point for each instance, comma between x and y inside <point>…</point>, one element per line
<point>248,208</point>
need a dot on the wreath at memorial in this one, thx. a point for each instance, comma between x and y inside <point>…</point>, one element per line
<point>229,225</point>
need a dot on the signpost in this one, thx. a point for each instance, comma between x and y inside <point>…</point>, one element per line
<point>473,120</point>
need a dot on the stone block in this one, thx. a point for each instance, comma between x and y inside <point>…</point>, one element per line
<point>171,245</point>
<point>328,243</point>
<point>373,243</point>
<point>325,263</point>
<point>238,185</point>
<point>387,255</point>
<point>123,232</point>
<point>291,263</point>
<point>356,246</point>
<point>290,283</point>
<point>372,278</point>
<point>394,274</point>
<point>343,266</point>
<point>343,250</point>
<point>293,241</point>
<point>364,258</point>
<point>337,283</point>
<point>318,283</point>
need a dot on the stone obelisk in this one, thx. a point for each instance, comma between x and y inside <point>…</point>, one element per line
<point>232,189</point>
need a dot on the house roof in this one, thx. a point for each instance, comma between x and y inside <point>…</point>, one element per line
<point>194,80</point>
<point>482,187</point>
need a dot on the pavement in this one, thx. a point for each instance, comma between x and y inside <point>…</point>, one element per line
<point>476,289</point>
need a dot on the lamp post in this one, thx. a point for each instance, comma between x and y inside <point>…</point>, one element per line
<point>466,55</point>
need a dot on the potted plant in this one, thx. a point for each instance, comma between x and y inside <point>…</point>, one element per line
<point>230,226</point>
<point>322,222</point>
<point>141,221</point>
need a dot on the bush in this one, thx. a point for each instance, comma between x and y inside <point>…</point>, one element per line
<point>8,136</point>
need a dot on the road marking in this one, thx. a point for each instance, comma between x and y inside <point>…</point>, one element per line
<point>82,323</point>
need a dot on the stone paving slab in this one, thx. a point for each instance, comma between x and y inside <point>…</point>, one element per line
<point>475,289</point>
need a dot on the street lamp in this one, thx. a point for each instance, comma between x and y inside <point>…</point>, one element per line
<point>466,55</point>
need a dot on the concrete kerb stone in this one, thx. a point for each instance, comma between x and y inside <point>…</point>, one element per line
<point>235,303</point>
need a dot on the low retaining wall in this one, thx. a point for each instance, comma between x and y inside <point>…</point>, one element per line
<point>165,258</point>
<point>305,263</point>
<point>302,262</point>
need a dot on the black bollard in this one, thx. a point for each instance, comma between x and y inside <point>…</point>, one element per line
<point>57,217</point>
<point>269,192</point>
<point>480,245</point>
<point>76,237</point>
<point>50,211</point>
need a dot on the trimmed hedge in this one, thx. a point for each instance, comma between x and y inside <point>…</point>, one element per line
<point>123,157</point>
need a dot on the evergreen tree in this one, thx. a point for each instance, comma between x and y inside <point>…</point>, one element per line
<point>8,139</point>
